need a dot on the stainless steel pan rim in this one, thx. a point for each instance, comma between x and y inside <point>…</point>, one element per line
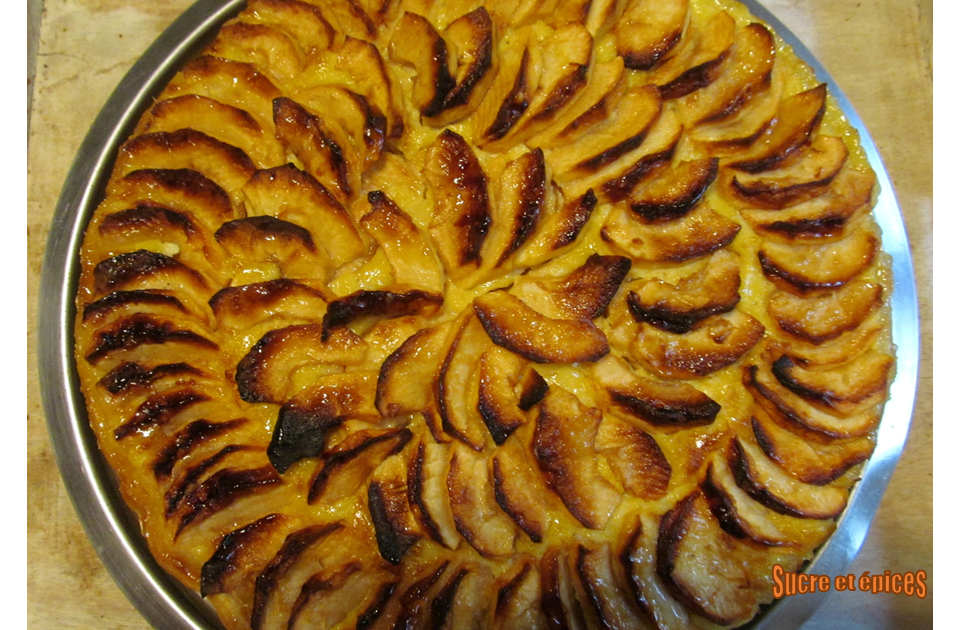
<point>115,534</point>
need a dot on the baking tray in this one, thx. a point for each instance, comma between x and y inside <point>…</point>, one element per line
<point>113,529</point>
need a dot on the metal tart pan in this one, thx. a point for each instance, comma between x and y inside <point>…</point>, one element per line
<point>113,529</point>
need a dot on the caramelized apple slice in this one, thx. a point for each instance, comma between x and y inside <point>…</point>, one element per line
<point>263,375</point>
<point>508,387</point>
<point>144,269</point>
<point>315,143</point>
<point>617,181</point>
<point>715,343</point>
<point>303,420</point>
<point>805,268</point>
<point>673,191</point>
<point>514,218</point>
<point>475,511</point>
<point>661,404</point>
<point>226,123</point>
<point>304,22</point>
<point>769,485</point>
<point>798,117</point>
<point>348,466</point>
<point>584,294</point>
<point>598,585</point>
<point>461,214</point>
<point>362,61</point>
<point>518,328</point>
<point>275,241</point>
<point>456,385</point>
<point>747,68</point>
<point>145,337</point>
<point>558,597</point>
<point>510,92</point>
<point>635,457</point>
<point>808,175</point>
<point>268,49</point>
<point>734,134</point>
<point>416,42</point>
<point>337,594</point>
<point>403,301</point>
<point>182,190</point>
<point>557,229</point>
<point>429,495</point>
<point>566,453</point>
<point>806,456</point>
<point>707,570</point>
<point>850,193</point>
<point>647,30</point>
<point>636,111</point>
<point>697,63</point>
<point>821,318</point>
<point>227,165</point>
<point>471,38</point>
<point>702,231</point>
<point>418,360</point>
<point>678,308</point>
<point>520,490</point>
<point>518,597</point>
<point>249,304</point>
<point>466,599</point>
<point>364,127</point>
<point>793,410</point>
<point>287,193</point>
<point>841,388</point>
<point>251,545</point>
<point>387,499</point>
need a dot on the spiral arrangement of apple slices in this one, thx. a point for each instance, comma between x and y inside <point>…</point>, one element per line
<point>524,315</point>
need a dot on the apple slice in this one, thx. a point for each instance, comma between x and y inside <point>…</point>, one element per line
<point>350,463</point>
<point>287,193</point>
<point>647,30</point>
<point>599,586</point>
<point>304,22</point>
<point>362,61</point>
<point>665,405</point>
<point>798,117</point>
<point>227,165</point>
<point>148,270</point>
<point>700,232</point>
<point>794,411</point>
<point>564,445</point>
<point>388,502</point>
<point>252,545</point>
<point>417,360</point>
<point>226,123</point>
<point>466,599</point>
<point>181,404</point>
<point>508,387</point>
<point>190,502</point>
<point>635,457</point>
<point>697,61</point>
<point>189,442</point>
<point>263,375</point>
<point>268,49</point>
<point>416,42</point>
<point>518,328</point>
<point>457,386</point>
<point>636,112</point>
<point>558,598</point>
<point>802,268</point>
<point>514,218</point>
<point>521,492</point>
<point>132,377</point>
<point>809,173</point>
<point>848,196</point>
<point>145,337</point>
<point>471,39</point>
<point>807,456</point>
<point>736,133</point>
<point>617,181</point>
<point>766,483</point>
<point>824,317</point>
<point>402,301</point>
<point>678,308</point>
<point>842,388</point>
<point>715,343</point>
<point>557,229</point>
<point>461,209</point>
<point>428,492</point>
<point>365,128</point>
<point>838,349</point>
<point>518,596</point>
<point>510,92</point>
<point>674,190</point>
<point>475,512</point>
<point>336,594</point>
<point>182,190</point>
<point>746,69</point>
<point>270,240</point>
<point>118,304</point>
<point>301,426</point>
<point>246,305</point>
<point>710,572</point>
<point>583,294</point>
<point>230,82</point>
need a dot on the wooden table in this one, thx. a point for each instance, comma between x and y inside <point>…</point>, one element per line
<point>879,51</point>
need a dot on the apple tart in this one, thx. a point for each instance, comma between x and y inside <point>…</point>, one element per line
<point>487,315</point>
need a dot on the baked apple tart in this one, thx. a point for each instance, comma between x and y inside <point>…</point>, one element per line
<point>459,314</point>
